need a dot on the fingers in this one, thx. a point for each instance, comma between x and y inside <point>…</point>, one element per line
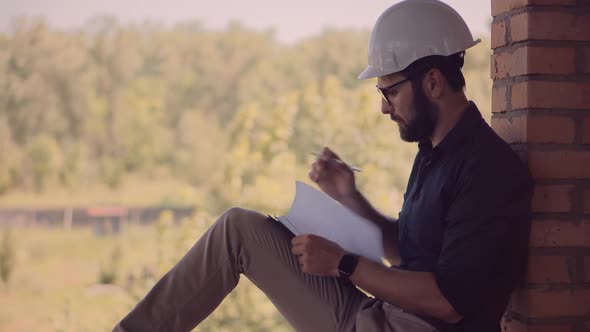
<point>333,159</point>
<point>320,169</point>
<point>301,244</point>
<point>317,169</point>
<point>316,255</point>
<point>299,249</point>
<point>302,239</point>
<point>313,177</point>
<point>304,263</point>
<point>302,248</point>
<point>326,164</point>
<point>338,165</point>
<point>328,154</point>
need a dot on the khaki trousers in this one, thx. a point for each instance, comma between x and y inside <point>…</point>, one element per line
<point>246,242</point>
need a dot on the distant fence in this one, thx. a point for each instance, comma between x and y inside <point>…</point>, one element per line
<point>99,217</point>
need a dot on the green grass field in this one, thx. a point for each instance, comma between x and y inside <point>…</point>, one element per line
<point>79,281</point>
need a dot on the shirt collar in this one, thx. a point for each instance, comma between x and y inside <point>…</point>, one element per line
<point>454,138</point>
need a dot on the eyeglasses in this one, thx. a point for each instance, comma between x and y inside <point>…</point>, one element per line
<point>386,91</point>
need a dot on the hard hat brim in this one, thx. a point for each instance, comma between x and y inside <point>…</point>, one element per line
<point>371,71</point>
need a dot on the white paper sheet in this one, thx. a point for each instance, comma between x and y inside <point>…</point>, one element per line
<point>314,212</point>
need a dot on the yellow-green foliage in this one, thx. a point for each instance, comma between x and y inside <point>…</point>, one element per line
<point>232,114</point>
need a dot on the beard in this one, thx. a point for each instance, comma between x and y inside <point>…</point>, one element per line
<point>422,125</point>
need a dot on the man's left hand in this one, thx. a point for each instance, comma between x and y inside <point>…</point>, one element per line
<point>317,255</point>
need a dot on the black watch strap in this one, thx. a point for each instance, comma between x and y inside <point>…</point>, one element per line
<point>347,265</point>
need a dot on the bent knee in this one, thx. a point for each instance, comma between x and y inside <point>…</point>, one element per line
<point>242,217</point>
<point>249,226</point>
<point>235,212</point>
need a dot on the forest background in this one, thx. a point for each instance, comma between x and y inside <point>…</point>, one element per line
<point>131,115</point>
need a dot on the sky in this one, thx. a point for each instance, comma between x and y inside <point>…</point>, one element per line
<point>291,20</point>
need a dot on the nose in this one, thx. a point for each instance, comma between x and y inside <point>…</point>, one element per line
<point>385,107</point>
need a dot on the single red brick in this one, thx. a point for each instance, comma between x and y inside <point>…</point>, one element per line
<point>552,198</point>
<point>519,27</point>
<point>498,34</point>
<point>533,60</point>
<point>499,99</point>
<point>559,233</point>
<point>540,94</point>
<point>535,129</point>
<point>564,26</point>
<point>535,303</point>
<point>546,60</point>
<point>517,326</point>
<point>586,138</point>
<point>560,164</point>
<point>544,269</point>
<point>550,129</point>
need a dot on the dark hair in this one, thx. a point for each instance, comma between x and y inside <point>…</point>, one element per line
<point>450,66</point>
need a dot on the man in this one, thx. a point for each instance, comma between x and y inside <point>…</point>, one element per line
<point>459,244</point>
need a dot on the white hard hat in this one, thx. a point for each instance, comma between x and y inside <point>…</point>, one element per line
<point>414,29</point>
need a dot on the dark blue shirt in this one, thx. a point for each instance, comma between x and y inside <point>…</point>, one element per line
<point>465,218</point>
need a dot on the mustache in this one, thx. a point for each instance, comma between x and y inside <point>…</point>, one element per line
<point>395,118</point>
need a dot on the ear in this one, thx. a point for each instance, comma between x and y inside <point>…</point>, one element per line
<point>434,83</point>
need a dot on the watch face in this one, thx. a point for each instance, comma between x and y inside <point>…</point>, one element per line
<point>347,265</point>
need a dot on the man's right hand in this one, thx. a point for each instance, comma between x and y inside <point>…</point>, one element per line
<point>333,176</point>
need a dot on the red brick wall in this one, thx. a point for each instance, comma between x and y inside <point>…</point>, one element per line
<point>541,105</point>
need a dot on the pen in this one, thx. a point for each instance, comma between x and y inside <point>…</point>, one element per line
<point>352,168</point>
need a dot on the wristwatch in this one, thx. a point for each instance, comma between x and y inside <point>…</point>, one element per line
<point>347,265</point>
